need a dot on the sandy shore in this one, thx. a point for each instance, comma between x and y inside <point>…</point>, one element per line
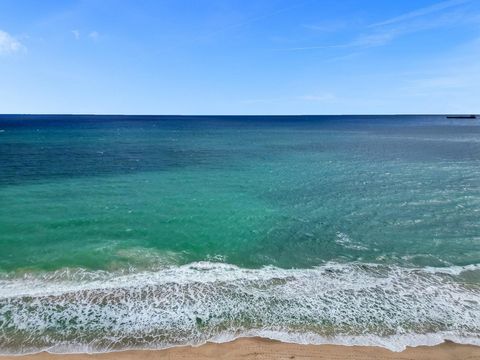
<point>254,348</point>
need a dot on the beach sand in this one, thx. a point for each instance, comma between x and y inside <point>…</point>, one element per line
<point>255,348</point>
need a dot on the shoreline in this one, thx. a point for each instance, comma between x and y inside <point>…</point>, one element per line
<point>261,348</point>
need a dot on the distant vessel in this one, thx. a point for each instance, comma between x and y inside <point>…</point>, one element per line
<point>461,116</point>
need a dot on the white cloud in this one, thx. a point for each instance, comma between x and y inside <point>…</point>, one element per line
<point>76,34</point>
<point>9,45</point>
<point>94,35</point>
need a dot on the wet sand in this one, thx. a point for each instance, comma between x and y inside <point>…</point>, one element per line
<point>259,349</point>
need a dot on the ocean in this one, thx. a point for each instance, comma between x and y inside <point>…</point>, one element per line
<point>146,232</point>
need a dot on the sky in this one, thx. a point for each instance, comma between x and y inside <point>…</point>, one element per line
<point>239,56</point>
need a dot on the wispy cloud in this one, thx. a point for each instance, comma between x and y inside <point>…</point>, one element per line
<point>344,57</point>
<point>262,101</point>
<point>420,12</point>
<point>455,81</point>
<point>317,97</point>
<point>327,26</point>
<point>76,34</point>
<point>300,48</point>
<point>445,84</point>
<point>94,35</point>
<point>9,44</point>
<point>389,31</point>
<point>258,18</point>
<point>384,32</point>
<point>378,39</point>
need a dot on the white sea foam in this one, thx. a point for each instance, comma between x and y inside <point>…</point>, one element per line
<point>350,304</point>
<point>345,241</point>
<point>452,270</point>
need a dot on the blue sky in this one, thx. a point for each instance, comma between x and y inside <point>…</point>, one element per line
<point>239,57</point>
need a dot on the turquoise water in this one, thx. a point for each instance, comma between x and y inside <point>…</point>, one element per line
<point>148,232</point>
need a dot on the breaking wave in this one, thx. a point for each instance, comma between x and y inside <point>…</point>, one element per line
<point>352,304</point>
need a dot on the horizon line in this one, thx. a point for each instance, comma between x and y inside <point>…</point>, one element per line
<point>238,115</point>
